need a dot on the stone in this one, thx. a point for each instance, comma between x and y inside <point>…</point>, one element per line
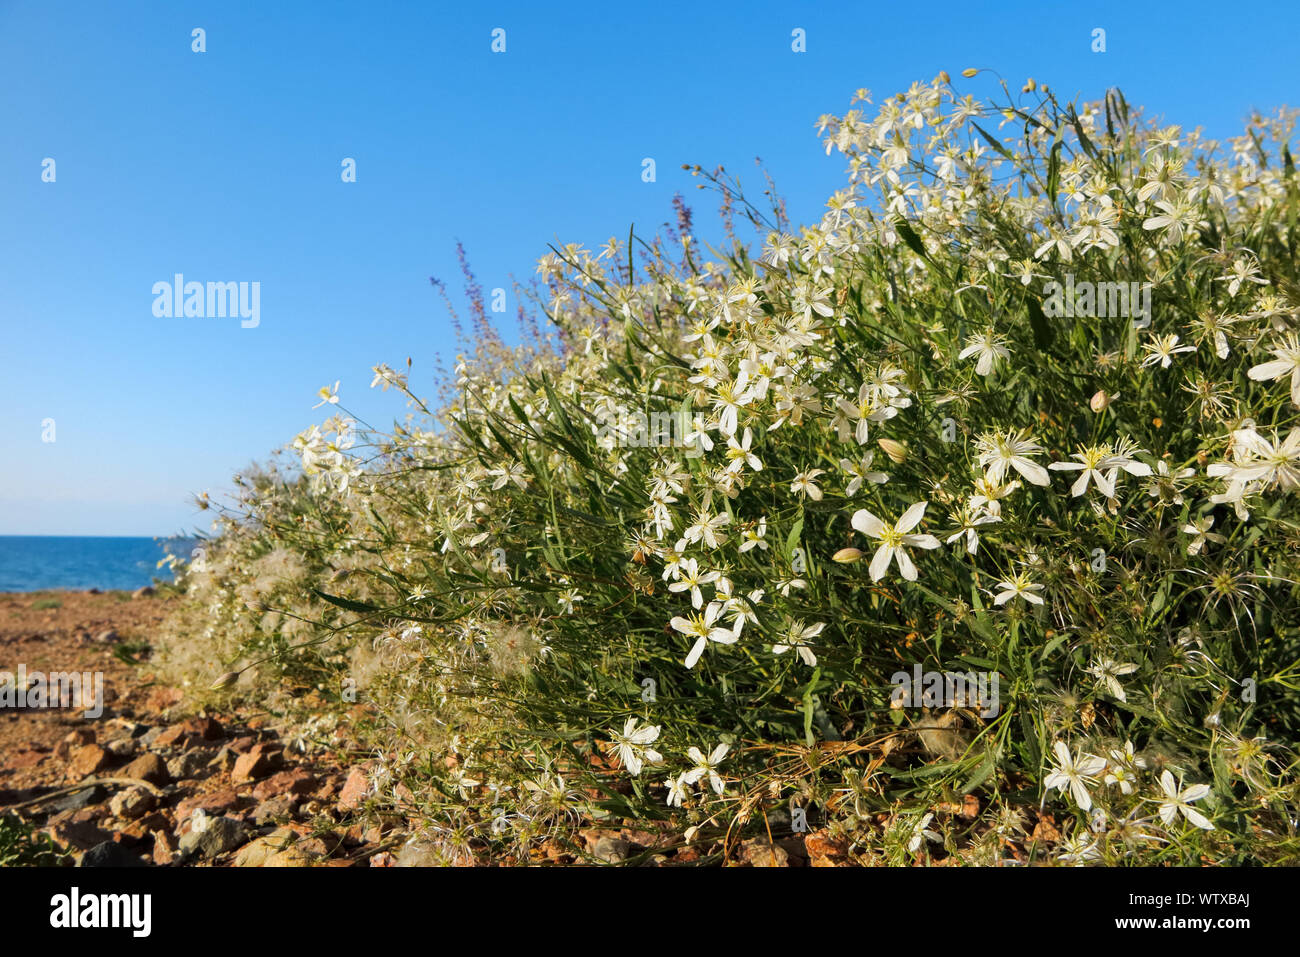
<point>188,764</point>
<point>25,758</point>
<point>72,741</point>
<point>823,850</point>
<point>110,854</point>
<point>611,850</point>
<point>77,835</point>
<point>107,637</point>
<point>164,848</point>
<point>221,834</point>
<point>283,847</point>
<point>759,853</point>
<point>121,747</point>
<point>147,767</point>
<point>146,592</point>
<point>225,760</point>
<point>132,803</point>
<point>77,800</point>
<point>88,759</point>
<point>209,729</point>
<point>296,781</point>
<point>214,802</point>
<point>260,761</point>
<point>274,809</point>
<point>163,699</point>
<point>176,735</point>
<point>354,790</point>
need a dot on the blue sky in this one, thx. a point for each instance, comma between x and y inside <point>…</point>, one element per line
<point>225,166</point>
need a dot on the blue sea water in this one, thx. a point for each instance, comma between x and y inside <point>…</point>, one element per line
<point>35,563</point>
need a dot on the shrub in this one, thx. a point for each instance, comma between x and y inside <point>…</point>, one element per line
<point>1022,407</point>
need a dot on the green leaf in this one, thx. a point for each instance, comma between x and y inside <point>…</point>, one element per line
<point>1042,328</point>
<point>994,142</point>
<point>359,607</point>
<point>909,236</point>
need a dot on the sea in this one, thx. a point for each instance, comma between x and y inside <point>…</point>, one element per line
<point>41,562</point>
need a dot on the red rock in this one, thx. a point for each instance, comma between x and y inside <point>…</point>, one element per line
<point>260,760</point>
<point>177,734</point>
<point>161,699</point>
<point>823,850</point>
<point>164,848</point>
<point>383,859</point>
<point>78,835</point>
<point>354,790</point>
<point>298,781</point>
<point>330,788</point>
<point>88,759</point>
<point>147,767</point>
<point>209,729</point>
<point>72,741</point>
<point>214,802</point>
<point>25,758</point>
<point>241,745</point>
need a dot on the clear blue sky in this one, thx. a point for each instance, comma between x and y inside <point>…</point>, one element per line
<point>225,165</point>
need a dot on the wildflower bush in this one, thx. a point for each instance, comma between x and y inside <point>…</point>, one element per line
<point>662,563</point>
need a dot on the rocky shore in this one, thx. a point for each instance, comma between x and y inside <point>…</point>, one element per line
<point>147,783</point>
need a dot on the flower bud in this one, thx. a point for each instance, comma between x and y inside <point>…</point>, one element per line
<point>896,451</point>
<point>846,555</point>
<point>969,72</point>
<point>225,681</point>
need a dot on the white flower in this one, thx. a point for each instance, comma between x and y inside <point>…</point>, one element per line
<point>861,472</point>
<point>1018,586</point>
<point>998,452</point>
<point>690,577</point>
<point>1101,464</point>
<point>704,629</point>
<point>707,528</point>
<point>803,482</point>
<point>1108,672</point>
<point>707,766</point>
<point>1176,800</point>
<point>989,347</point>
<point>1242,271</point>
<point>921,833</point>
<point>1162,349</point>
<point>1074,773</point>
<point>968,527</point>
<point>796,636</point>
<point>739,455</point>
<point>1286,362</point>
<point>677,789</point>
<point>632,748</point>
<point>894,540</point>
<point>1258,460</point>
<point>753,537</point>
<point>1200,532</point>
<point>1079,848</point>
<point>1122,768</point>
<point>328,395</point>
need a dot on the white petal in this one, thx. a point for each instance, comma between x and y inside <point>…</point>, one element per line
<point>911,518</point>
<point>867,524</point>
